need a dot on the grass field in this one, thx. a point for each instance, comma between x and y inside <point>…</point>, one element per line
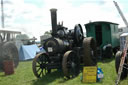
<point>24,76</point>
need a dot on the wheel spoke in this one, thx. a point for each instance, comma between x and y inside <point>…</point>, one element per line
<point>40,73</point>
<point>40,65</point>
<point>46,70</point>
<point>38,69</point>
<point>37,65</point>
<point>38,62</point>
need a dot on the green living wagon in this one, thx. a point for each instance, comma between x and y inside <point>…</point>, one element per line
<point>106,35</point>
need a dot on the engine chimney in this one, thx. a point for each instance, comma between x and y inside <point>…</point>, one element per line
<point>54,21</point>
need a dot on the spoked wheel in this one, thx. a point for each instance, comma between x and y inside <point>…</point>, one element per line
<point>70,64</point>
<point>89,50</point>
<point>39,65</point>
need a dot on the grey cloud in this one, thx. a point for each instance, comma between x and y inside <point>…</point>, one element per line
<point>7,16</point>
<point>7,2</point>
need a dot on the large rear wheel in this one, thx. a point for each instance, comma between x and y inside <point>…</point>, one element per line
<point>70,64</point>
<point>89,50</point>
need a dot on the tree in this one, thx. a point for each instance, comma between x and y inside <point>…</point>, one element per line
<point>48,32</point>
<point>22,36</point>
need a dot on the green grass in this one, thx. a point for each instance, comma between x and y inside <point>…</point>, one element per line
<point>24,76</point>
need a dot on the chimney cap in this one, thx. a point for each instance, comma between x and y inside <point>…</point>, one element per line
<point>53,9</point>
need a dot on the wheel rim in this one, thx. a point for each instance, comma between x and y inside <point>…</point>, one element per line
<point>40,65</point>
<point>89,49</point>
<point>70,64</point>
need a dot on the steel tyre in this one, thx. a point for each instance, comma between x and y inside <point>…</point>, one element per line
<point>89,51</point>
<point>70,64</point>
<point>39,65</point>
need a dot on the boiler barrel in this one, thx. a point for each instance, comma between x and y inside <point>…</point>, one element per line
<point>55,45</point>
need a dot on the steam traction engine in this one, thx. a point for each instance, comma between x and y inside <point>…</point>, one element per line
<point>66,50</point>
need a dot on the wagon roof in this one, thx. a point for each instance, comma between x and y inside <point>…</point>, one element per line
<point>9,30</point>
<point>102,22</point>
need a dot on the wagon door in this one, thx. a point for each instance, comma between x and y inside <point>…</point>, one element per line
<point>98,32</point>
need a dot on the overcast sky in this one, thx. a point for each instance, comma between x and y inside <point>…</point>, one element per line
<point>33,16</point>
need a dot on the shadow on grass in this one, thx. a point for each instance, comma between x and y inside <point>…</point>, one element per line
<point>2,75</point>
<point>93,83</point>
<point>26,60</point>
<point>99,82</point>
<point>49,78</point>
<point>106,60</point>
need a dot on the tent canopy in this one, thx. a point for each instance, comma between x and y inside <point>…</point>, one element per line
<point>27,52</point>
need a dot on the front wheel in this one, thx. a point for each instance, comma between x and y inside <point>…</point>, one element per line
<point>39,65</point>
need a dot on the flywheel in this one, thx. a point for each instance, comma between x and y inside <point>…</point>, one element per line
<point>78,34</point>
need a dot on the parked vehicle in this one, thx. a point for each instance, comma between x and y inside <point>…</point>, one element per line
<point>106,35</point>
<point>66,50</point>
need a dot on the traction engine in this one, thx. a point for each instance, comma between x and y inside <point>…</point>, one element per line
<point>66,49</point>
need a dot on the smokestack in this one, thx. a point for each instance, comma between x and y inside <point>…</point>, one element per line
<point>54,21</point>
